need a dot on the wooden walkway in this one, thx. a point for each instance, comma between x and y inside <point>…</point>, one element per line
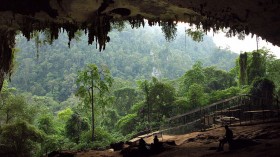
<point>234,110</point>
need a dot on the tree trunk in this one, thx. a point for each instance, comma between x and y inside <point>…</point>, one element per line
<point>92,109</point>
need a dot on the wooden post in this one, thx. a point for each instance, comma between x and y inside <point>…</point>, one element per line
<point>239,112</point>
<point>263,114</point>
<point>214,118</point>
<point>250,114</point>
<point>277,102</point>
<point>203,119</point>
<point>222,112</point>
<point>208,120</point>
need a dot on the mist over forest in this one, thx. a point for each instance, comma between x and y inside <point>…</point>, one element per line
<point>131,54</point>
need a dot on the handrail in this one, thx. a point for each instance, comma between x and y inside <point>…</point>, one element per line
<point>201,112</point>
<point>205,107</point>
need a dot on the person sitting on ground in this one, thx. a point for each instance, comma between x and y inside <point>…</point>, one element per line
<point>227,139</point>
<point>157,146</point>
<point>142,145</point>
<point>156,141</point>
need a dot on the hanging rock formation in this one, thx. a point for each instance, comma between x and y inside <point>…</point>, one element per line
<point>259,17</point>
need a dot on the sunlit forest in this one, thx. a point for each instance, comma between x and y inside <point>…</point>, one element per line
<point>71,96</point>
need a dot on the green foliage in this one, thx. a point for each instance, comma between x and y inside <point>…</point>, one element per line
<point>180,106</point>
<point>196,35</point>
<point>53,73</point>
<point>46,102</point>
<point>218,79</point>
<point>254,65</point>
<point>169,29</point>
<point>65,114</point>
<point>75,126</point>
<point>51,143</point>
<point>257,66</point>
<point>46,124</point>
<point>262,88</point>
<point>102,139</point>
<point>92,79</point>
<point>243,78</point>
<point>273,73</point>
<point>20,137</point>
<point>124,99</point>
<point>14,107</point>
<point>118,25</point>
<point>161,96</point>
<point>127,123</point>
<point>53,77</point>
<point>224,94</point>
<point>196,96</point>
<point>195,75</point>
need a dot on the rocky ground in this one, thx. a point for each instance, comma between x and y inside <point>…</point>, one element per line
<point>262,140</point>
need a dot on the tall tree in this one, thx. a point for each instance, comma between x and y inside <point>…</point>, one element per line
<point>257,66</point>
<point>273,73</point>
<point>159,99</point>
<point>162,96</point>
<point>196,96</point>
<point>145,86</point>
<point>92,80</point>
<point>243,80</point>
<point>195,75</point>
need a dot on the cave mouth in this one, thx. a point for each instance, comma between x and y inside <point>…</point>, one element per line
<point>97,17</point>
<point>97,31</point>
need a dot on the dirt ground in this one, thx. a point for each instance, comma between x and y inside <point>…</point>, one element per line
<point>262,140</point>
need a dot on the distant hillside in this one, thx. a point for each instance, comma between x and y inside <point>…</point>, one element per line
<point>131,54</point>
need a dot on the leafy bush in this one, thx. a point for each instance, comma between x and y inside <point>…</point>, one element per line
<point>52,143</point>
<point>102,139</point>
<point>127,123</point>
<point>180,106</point>
<point>75,126</point>
<point>223,94</point>
<point>262,87</point>
<point>21,137</point>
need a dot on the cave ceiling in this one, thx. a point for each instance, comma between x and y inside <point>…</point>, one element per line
<point>260,17</point>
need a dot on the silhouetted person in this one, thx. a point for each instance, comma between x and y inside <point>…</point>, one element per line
<point>142,145</point>
<point>156,146</point>
<point>156,141</point>
<point>227,139</point>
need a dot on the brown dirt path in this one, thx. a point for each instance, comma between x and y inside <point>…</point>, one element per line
<point>202,144</point>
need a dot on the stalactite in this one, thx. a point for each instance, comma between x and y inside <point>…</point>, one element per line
<point>99,29</point>
<point>136,21</point>
<point>99,26</point>
<point>7,42</point>
<point>54,29</point>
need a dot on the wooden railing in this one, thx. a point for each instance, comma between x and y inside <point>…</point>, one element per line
<point>238,110</point>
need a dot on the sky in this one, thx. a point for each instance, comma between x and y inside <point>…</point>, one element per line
<point>236,45</point>
<point>247,45</point>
